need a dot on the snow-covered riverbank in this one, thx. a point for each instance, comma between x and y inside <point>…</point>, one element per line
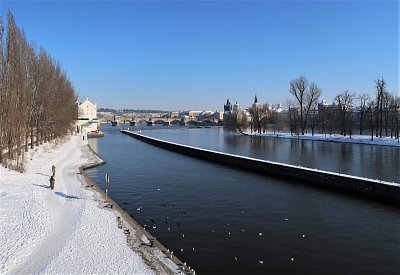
<point>64,230</point>
<point>358,139</point>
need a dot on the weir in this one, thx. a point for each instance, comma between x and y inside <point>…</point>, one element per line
<point>382,191</point>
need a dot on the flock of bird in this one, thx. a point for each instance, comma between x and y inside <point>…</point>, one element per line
<point>152,224</point>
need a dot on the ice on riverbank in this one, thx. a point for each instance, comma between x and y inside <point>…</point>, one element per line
<point>62,230</point>
<point>357,139</point>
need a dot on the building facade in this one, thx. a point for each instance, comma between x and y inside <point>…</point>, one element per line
<point>87,117</point>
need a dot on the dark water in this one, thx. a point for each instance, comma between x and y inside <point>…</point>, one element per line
<point>376,162</point>
<point>206,202</point>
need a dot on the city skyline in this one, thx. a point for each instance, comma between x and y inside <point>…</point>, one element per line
<point>194,55</point>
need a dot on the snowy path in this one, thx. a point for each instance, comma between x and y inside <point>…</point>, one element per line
<point>62,230</point>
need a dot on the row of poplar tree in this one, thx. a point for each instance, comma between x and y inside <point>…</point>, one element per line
<point>37,100</point>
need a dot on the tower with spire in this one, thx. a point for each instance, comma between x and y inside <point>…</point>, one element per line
<point>256,105</point>
<point>227,107</point>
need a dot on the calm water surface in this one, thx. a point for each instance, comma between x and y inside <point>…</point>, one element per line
<point>376,162</point>
<point>271,226</point>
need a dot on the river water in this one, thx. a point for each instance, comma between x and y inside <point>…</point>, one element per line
<point>225,221</point>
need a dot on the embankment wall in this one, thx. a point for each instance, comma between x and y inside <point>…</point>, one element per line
<point>372,189</point>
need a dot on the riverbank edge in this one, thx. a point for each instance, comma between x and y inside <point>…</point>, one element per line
<point>139,230</point>
<point>323,139</point>
<point>384,192</point>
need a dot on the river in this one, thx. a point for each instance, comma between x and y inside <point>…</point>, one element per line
<point>225,221</point>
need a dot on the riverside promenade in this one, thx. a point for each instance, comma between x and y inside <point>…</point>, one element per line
<point>68,229</point>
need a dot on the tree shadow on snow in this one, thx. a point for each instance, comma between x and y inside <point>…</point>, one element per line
<point>42,185</point>
<point>61,194</point>
<point>43,174</point>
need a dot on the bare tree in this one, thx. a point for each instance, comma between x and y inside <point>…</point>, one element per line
<point>306,98</point>
<point>345,102</point>
<point>258,115</point>
<point>363,103</point>
<point>2,90</point>
<point>371,117</point>
<point>235,121</point>
<point>36,96</point>
<point>380,93</point>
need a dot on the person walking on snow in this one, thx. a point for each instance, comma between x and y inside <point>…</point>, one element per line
<point>53,169</point>
<point>52,181</point>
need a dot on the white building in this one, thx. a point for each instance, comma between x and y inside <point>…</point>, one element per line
<point>236,107</point>
<point>194,114</point>
<point>87,117</point>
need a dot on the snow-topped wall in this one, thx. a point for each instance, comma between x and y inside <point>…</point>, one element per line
<point>373,189</point>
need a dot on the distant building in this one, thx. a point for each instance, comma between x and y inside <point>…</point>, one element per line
<point>218,116</point>
<point>174,114</point>
<point>256,105</point>
<point>236,107</point>
<point>227,107</point>
<point>194,114</point>
<point>87,117</point>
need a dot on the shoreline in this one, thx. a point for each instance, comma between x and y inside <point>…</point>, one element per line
<point>68,229</point>
<point>131,225</point>
<point>354,139</point>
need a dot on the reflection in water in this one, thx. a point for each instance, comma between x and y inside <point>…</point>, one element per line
<point>377,162</point>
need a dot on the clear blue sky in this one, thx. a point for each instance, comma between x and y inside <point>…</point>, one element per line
<point>175,55</point>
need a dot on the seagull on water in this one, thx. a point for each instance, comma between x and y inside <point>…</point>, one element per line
<point>139,208</point>
<point>260,234</point>
<point>261,262</point>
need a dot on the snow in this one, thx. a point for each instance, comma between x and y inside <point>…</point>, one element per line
<point>357,139</point>
<point>65,230</point>
<point>271,162</point>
